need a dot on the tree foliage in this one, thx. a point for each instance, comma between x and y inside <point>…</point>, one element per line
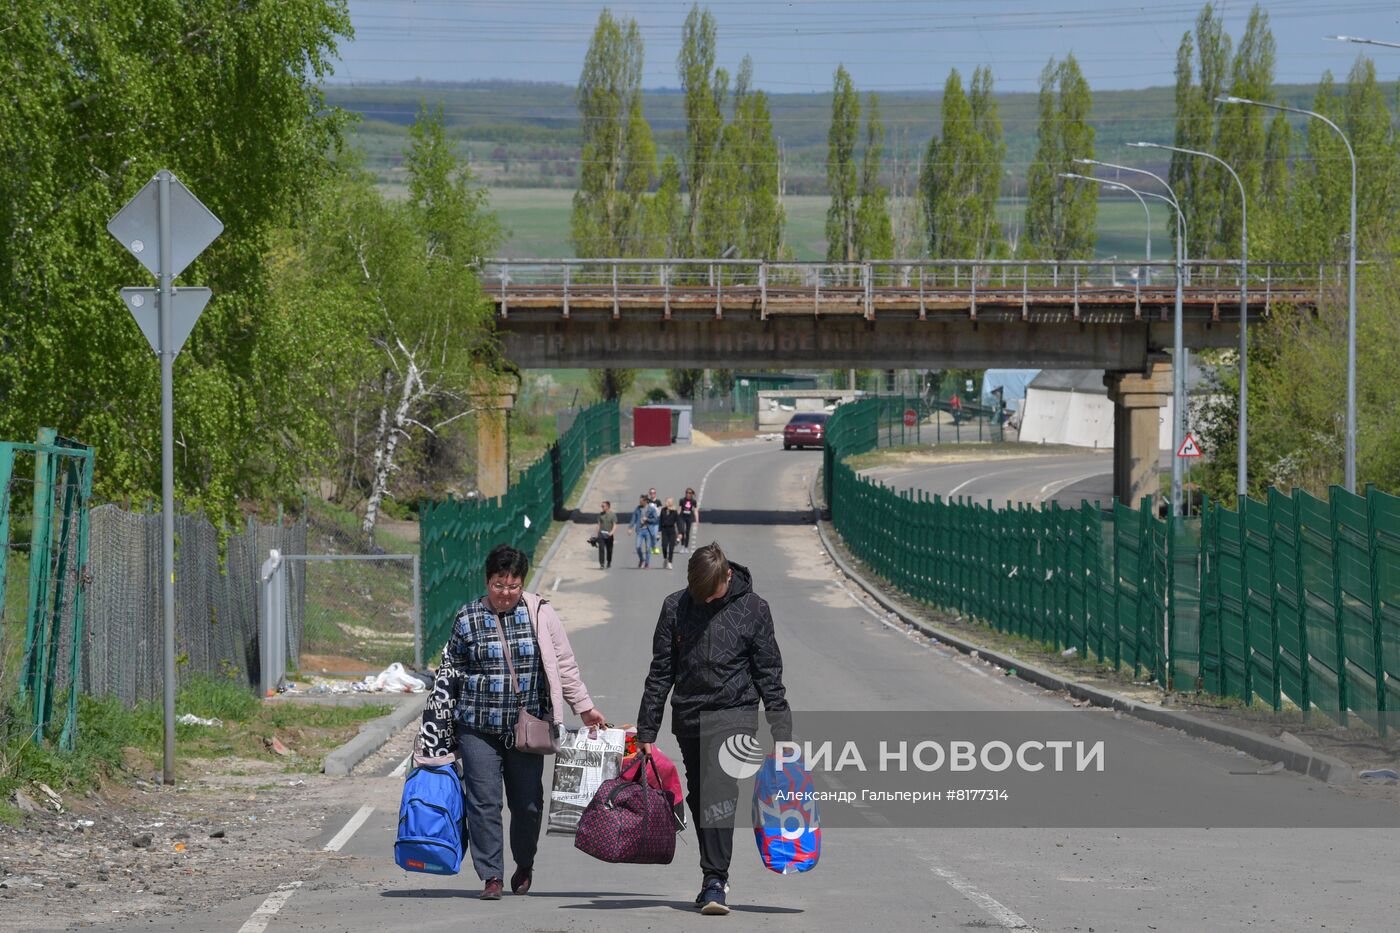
<point>706,89</point>
<point>618,158</point>
<point>961,178</point>
<point>874,230</point>
<point>98,97</point>
<point>842,181</point>
<point>1061,213</point>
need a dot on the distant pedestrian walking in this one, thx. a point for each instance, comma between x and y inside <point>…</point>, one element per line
<point>642,529</point>
<point>670,518</point>
<point>607,528</point>
<point>690,516</point>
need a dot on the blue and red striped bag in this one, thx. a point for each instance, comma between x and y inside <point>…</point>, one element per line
<point>786,823</point>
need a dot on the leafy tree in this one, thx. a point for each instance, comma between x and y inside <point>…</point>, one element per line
<point>686,383</point>
<point>740,210</point>
<point>841,178</point>
<point>98,97</point>
<point>1061,213</point>
<point>706,89</point>
<point>612,383</point>
<point>618,156</point>
<point>961,178</point>
<point>665,214</point>
<point>874,233</point>
<point>1197,181</point>
<point>404,270</point>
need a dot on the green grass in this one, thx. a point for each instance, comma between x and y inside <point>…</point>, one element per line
<point>106,728</point>
<point>537,221</point>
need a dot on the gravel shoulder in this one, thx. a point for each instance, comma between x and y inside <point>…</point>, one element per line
<point>133,848</point>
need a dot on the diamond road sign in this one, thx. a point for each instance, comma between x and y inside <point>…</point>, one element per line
<point>192,226</point>
<point>144,305</point>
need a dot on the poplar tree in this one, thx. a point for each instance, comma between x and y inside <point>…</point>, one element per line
<point>841,179</point>
<point>618,155</point>
<point>1202,73</point>
<point>961,180</point>
<point>706,89</point>
<point>1061,213</point>
<point>874,233</point>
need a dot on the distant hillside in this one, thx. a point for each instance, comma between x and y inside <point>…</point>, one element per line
<point>526,135</point>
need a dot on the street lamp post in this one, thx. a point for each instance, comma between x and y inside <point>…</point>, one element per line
<point>1241,466</point>
<point>1179,361</point>
<point>1118,186</point>
<point>1350,481</point>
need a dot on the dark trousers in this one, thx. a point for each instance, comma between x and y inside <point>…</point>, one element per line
<point>486,763</point>
<point>605,549</point>
<point>711,813</point>
<point>685,530</point>
<point>668,542</point>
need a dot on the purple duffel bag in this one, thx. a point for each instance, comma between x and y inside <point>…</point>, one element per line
<point>628,821</point>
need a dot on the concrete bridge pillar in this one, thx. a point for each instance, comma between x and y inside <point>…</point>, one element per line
<point>1138,399</point>
<point>494,401</point>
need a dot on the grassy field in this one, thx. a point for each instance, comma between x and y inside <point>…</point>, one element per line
<point>537,224</point>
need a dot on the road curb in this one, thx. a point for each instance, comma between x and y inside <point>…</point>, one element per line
<point>1322,767</point>
<point>372,737</point>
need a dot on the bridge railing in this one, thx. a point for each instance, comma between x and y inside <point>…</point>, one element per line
<point>856,283</point>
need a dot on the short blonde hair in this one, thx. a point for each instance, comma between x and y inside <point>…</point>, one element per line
<point>670,502</point>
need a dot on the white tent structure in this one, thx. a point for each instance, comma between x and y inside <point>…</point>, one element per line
<point>1071,406</point>
<point>1068,406</point>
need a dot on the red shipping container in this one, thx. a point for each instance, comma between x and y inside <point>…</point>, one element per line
<point>651,427</point>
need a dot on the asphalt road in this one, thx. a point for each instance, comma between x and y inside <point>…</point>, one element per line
<point>839,656</point>
<point>1068,479</point>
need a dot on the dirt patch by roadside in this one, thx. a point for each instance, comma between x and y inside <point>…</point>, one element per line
<point>230,827</point>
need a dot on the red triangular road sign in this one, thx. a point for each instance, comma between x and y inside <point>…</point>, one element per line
<point>1189,447</point>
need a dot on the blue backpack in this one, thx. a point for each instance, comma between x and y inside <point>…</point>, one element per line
<point>432,822</point>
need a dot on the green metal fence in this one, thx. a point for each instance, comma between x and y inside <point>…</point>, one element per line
<point>457,535</point>
<point>1291,600</point>
<point>57,551</point>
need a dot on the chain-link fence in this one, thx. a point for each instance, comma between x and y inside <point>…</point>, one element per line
<point>216,588</point>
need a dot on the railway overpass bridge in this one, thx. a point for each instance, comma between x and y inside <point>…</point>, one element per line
<point>1114,316</point>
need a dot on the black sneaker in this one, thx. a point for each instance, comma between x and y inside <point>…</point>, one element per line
<point>711,899</point>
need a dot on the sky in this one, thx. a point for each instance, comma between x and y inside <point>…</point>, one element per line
<point>886,45</point>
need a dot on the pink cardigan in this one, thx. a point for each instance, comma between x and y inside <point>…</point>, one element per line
<point>557,658</point>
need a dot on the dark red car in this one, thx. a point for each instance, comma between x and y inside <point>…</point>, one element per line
<point>806,429</point>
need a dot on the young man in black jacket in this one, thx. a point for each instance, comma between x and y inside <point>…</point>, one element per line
<point>714,652</point>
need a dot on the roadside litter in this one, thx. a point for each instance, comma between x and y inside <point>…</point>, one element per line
<point>190,719</point>
<point>1384,774</point>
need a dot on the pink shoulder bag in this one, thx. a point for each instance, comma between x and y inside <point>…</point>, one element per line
<point>532,734</point>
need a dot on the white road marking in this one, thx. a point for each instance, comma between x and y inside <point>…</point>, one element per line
<point>706,478</point>
<point>402,769</point>
<point>348,830</point>
<point>1003,915</point>
<point>261,917</point>
<point>555,587</point>
<point>1059,484</point>
<point>965,483</point>
<point>264,914</point>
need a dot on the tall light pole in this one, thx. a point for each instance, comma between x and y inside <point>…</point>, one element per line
<point>1360,41</point>
<point>1117,186</point>
<point>1351,278</point>
<point>1241,466</point>
<point>1179,361</point>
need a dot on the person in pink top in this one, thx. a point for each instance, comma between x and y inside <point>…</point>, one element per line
<point>470,715</point>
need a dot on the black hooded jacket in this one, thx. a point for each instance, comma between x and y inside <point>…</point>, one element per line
<point>711,657</point>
